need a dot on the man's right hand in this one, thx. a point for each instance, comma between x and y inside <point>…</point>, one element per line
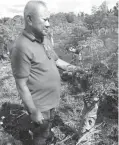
<point>37,117</point>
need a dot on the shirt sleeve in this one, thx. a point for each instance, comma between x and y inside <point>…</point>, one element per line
<point>20,62</point>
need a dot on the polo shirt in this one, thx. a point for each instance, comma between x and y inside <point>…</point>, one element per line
<point>35,60</point>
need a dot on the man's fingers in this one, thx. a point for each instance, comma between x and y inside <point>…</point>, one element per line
<point>70,73</point>
<point>40,122</point>
<point>64,72</point>
<point>67,73</point>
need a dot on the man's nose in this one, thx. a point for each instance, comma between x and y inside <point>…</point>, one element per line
<point>47,24</point>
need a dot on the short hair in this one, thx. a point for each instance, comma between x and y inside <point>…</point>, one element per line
<point>30,8</point>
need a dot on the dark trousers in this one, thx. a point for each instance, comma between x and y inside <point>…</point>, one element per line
<point>41,134</point>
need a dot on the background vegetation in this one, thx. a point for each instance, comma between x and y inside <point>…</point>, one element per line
<point>95,37</point>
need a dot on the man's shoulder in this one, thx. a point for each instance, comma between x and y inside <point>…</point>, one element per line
<point>22,43</point>
<point>21,46</point>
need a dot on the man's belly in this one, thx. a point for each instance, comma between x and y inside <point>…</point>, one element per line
<point>44,81</point>
<point>45,90</point>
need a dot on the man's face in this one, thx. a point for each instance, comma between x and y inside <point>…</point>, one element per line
<point>40,21</point>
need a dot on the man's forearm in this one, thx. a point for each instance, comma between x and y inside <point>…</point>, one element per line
<point>26,98</point>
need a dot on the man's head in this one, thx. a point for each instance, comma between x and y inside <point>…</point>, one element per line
<point>36,17</point>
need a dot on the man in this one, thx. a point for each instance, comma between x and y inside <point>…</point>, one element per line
<point>34,68</point>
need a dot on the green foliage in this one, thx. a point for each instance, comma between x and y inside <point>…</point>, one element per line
<point>101,17</point>
<point>70,17</point>
<point>115,9</point>
<point>11,28</point>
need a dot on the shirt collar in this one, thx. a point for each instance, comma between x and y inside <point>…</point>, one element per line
<point>30,36</point>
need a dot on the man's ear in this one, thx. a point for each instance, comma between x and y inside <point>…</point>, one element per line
<point>29,20</point>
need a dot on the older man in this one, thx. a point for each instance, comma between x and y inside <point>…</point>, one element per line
<point>34,68</point>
